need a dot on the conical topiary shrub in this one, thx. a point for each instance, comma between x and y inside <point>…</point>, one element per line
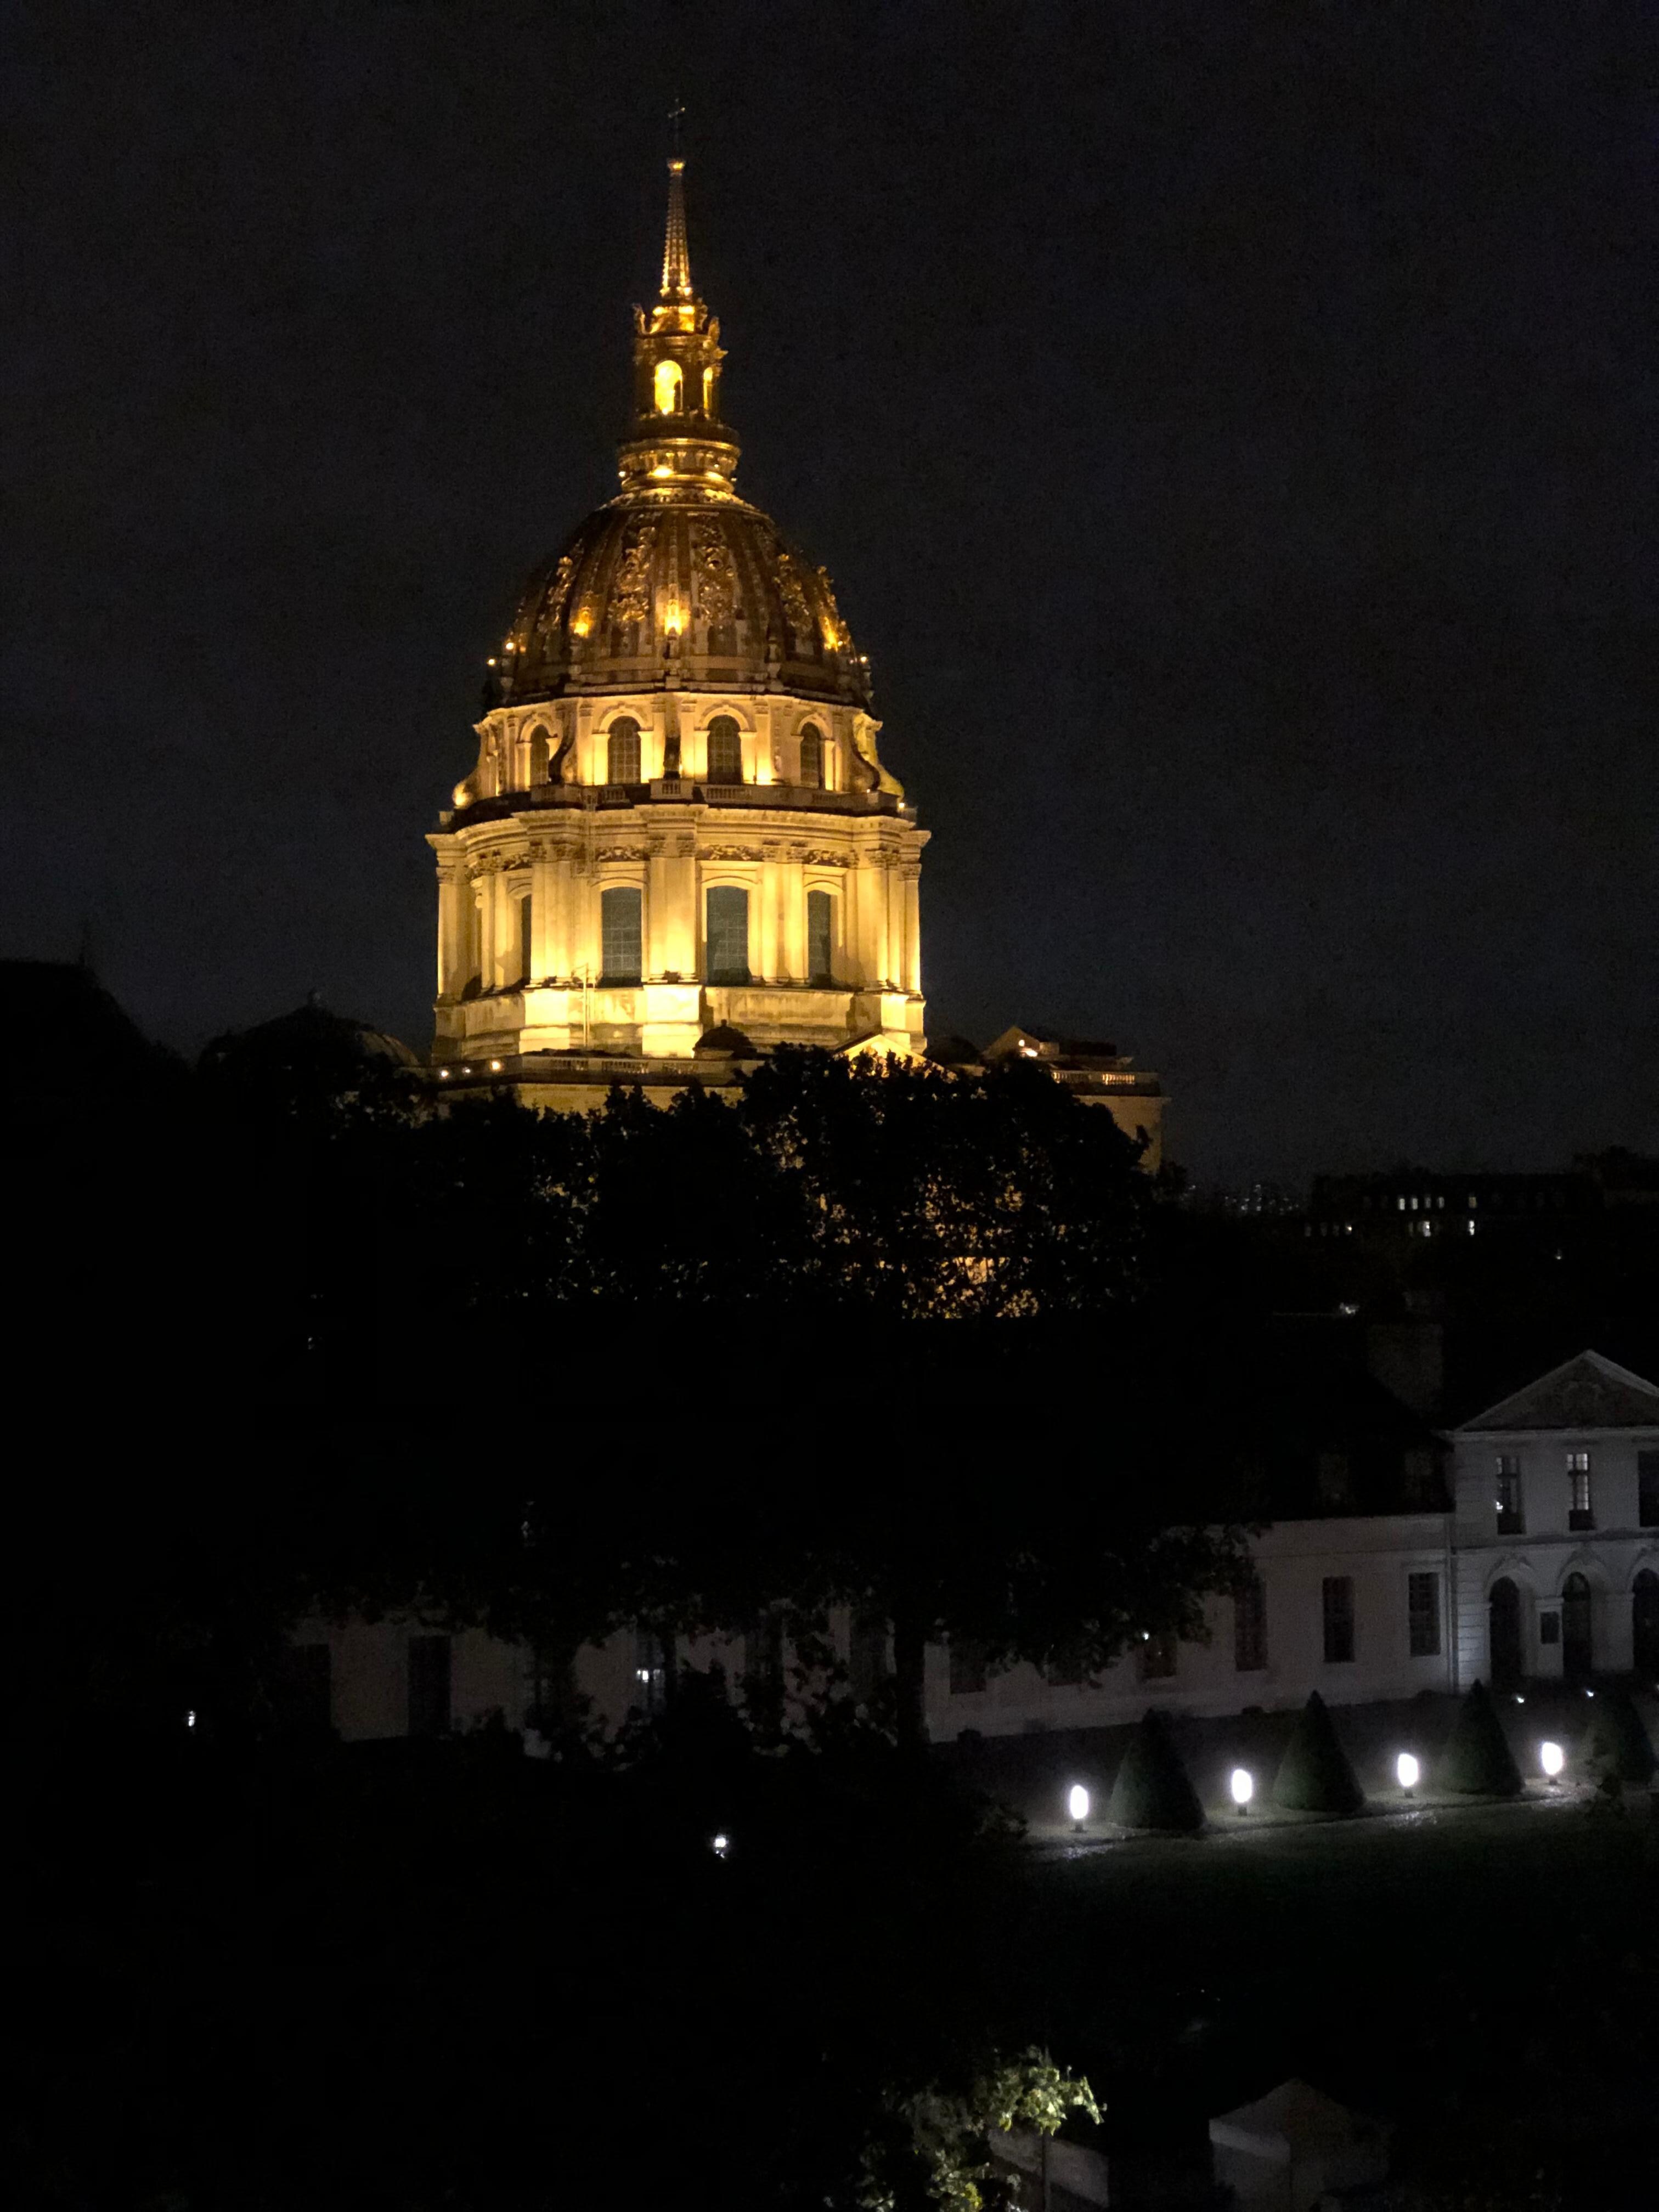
<point>1151,1789</point>
<point>1478,1761</point>
<point>1314,1776</point>
<point>1617,1742</point>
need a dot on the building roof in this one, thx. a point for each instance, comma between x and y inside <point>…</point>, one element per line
<point>679,583</point>
<point>1587,1392</point>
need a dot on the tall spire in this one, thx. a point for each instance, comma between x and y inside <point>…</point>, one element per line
<point>675,253</point>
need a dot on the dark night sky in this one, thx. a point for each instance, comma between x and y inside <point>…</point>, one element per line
<point>1230,430</point>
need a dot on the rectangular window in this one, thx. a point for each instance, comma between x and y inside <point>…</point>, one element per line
<point>1157,1656</point>
<point>764,1657</point>
<point>622,751</point>
<point>820,937</point>
<point>307,1689</point>
<point>1250,1626</point>
<point>1580,1510</point>
<point>866,1661</point>
<point>728,934</point>
<point>523,906</point>
<point>1423,1615</point>
<point>1647,1490</point>
<point>1512,1516</point>
<point>620,934</point>
<point>429,1684</point>
<point>1338,1619</point>
<point>968,1667</point>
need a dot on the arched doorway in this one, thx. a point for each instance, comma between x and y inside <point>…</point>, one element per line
<point>1504,1606</point>
<point>1577,1639</point>
<point>1644,1623</point>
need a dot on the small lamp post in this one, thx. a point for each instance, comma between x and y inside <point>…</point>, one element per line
<point>1552,1758</point>
<point>1408,1771</point>
<point>1241,1782</point>
<point>720,1845</point>
<point>1077,1803</point>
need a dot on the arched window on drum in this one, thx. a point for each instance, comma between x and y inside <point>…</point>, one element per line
<point>812,756</point>
<point>622,751</point>
<point>724,751</point>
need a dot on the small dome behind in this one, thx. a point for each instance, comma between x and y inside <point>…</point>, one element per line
<point>723,1042</point>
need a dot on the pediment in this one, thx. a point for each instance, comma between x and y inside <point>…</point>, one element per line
<point>1585,1393</point>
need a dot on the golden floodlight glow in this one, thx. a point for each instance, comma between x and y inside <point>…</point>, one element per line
<point>672,620</point>
<point>662,468</point>
<point>582,624</point>
<point>667,382</point>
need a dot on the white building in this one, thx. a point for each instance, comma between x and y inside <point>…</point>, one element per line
<point>1548,1564</point>
<point>1557,1527</point>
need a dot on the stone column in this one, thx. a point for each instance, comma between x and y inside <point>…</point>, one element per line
<point>768,891</point>
<point>910,877</point>
<point>451,942</point>
<point>793,930</point>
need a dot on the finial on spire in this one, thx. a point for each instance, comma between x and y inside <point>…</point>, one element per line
<point>675,253</point>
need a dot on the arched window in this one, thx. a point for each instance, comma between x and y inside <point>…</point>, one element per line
<point>1645,1624</point>
<point>812,756</point>
<point>620,936</point>
<point>1578,1628</point>
<point>709,377</point>
<point>622,751</point>
<point>666,384</point>
<point>1503,1609</point>
<point>540,744</point>
<point>728,934</point>
<point>525,941</point>
<point>724,751</point>
<point>820,937</point>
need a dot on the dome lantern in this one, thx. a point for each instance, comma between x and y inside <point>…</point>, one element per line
<point>677,436</point>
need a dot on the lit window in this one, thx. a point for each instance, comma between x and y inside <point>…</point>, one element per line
<point>1338,1619</point>
<point>1250,1626</point>
<point>622,751</point>
<point>709,377</point>
<point>620,934</point>
<point>650,1669</point>
<point>812,756</point>
<point>724,751</point>
<point>1423,1615</point>
<point>668,388</point>
<point>1511,1515</point>
<point>820,937</point>
<point>728,934</point>
<point>1580,1513</point>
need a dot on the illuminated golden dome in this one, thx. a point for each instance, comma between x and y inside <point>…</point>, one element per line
<point>678,582</point>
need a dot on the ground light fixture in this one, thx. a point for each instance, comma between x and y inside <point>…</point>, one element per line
<point>1552,1758</point>
<point>1408,1771</point>
<point>720,1845</point>
<point>1241,1782</point>
<point>1077,1803</point>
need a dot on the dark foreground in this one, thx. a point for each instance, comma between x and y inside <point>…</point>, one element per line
<point>466,1979</point>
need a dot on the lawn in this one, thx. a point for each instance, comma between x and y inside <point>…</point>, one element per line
<point>1483,1978</point>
